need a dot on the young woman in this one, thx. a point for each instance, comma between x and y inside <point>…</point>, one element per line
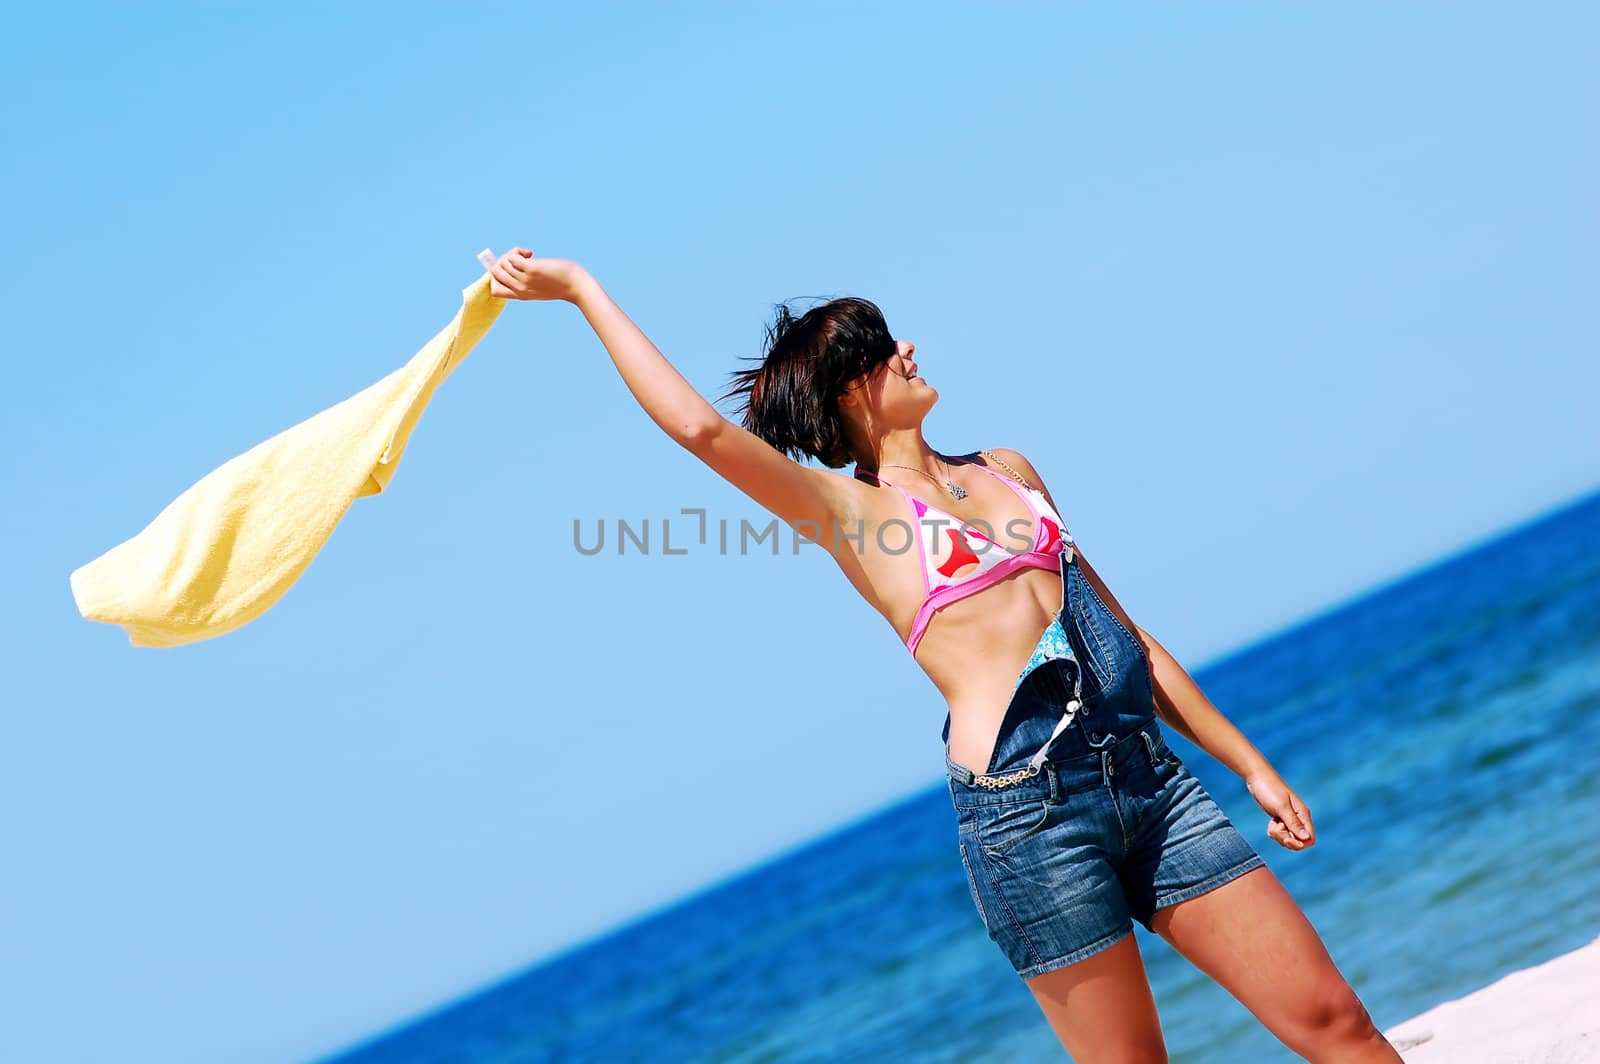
<point>1074,816</point>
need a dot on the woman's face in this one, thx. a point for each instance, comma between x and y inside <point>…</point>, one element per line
<point>894,395</point>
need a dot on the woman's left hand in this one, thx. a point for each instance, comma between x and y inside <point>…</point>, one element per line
<point>1290,824</point>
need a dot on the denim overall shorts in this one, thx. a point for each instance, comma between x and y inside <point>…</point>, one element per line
<point>1085,820</point>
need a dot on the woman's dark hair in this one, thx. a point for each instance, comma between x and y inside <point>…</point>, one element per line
<point>790,398</point>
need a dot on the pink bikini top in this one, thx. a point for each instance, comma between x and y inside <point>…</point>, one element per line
<point>959,560</point>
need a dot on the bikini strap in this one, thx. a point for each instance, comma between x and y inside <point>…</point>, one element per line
<point>912,499</point>
<point>916,524</point>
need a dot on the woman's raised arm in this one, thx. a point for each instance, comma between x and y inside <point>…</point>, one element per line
<point>811,499</point>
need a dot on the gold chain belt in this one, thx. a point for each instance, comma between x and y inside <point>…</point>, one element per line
<point>1001,781</point>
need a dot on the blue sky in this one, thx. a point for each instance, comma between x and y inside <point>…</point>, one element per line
<point>1283,301</point>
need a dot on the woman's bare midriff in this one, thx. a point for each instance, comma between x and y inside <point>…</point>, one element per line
<point>973,650</point>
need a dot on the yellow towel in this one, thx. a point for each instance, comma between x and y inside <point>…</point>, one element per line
<point>226,549</point>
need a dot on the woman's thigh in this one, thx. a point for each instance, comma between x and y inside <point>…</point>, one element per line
<point>1253,939</point>
<point>1101,1008</point>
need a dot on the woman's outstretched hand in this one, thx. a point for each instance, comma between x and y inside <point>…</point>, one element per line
<point>518,275</point>
<point>1290,824</point>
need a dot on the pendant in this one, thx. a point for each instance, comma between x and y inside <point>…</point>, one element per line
<point>956,489</point>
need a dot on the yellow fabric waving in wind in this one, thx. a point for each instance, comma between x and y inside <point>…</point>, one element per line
<point>229,547</point>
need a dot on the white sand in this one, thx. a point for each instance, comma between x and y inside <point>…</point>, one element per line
<point>1547,1014</point>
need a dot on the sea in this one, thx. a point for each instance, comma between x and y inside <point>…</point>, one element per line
<point>1444,728</point>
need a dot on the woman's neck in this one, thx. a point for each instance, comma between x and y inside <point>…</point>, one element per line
<point>906,450</point>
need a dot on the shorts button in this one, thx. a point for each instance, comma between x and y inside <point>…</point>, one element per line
<point>1097,735</point>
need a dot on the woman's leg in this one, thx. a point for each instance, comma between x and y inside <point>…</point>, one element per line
<point>1101,1007</point>
<point>1251,937</point>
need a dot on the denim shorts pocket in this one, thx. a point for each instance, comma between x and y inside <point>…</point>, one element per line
<point>1002,826</point>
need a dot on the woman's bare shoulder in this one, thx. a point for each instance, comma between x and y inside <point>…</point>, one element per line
<point>1020,467</point>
